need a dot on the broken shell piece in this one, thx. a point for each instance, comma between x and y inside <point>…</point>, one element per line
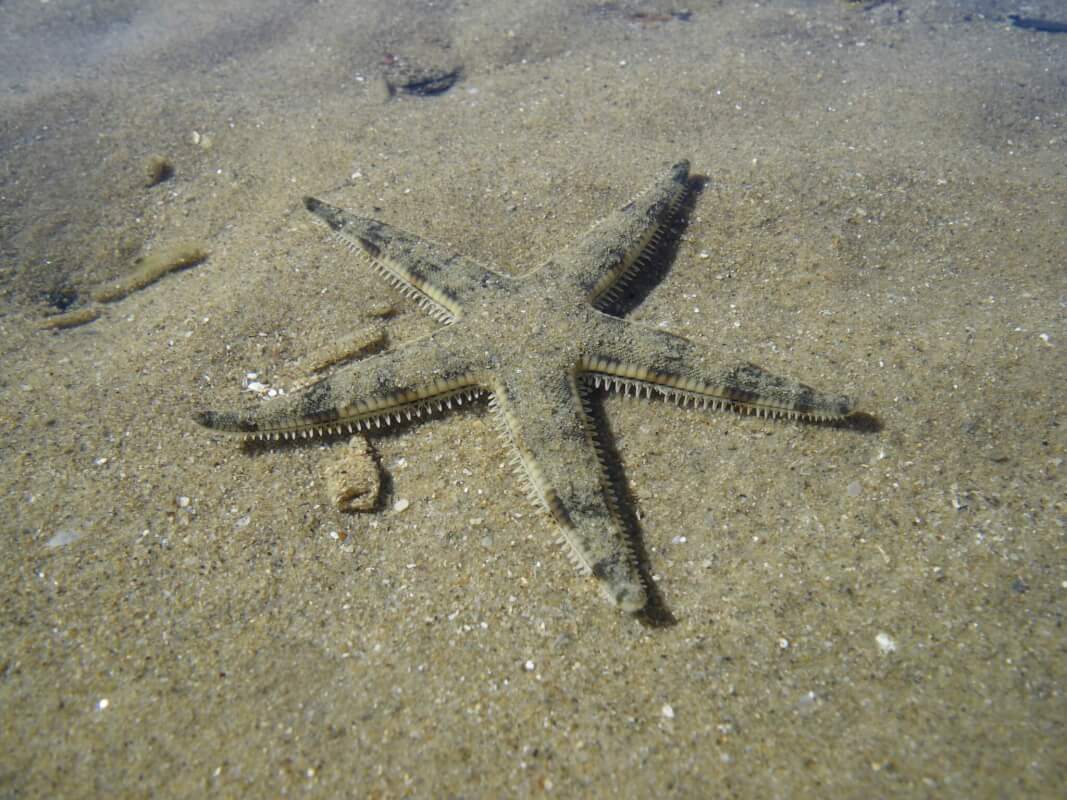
<point>353,479</point>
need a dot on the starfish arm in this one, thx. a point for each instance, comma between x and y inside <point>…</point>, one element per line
<point>632,358</point>
<point>387,388</point>
<point>439,281</point>
<point>546,419</point>
<point>601,262</point>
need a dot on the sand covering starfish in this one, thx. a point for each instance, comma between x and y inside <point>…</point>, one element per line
<point>538,345</point>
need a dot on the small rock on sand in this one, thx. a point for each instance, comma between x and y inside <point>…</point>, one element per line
<point>353,479</point>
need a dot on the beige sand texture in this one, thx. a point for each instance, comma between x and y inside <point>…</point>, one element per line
<point>851,613</point>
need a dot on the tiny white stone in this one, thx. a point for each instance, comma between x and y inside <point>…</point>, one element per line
<point>529,666</point>
<point>885,643</point>
<point>667,711</point>
<point>102,703</point>
<point>100,461</point>
<point>783,643</point>
<point>183,502</point>
<point>401,505</point>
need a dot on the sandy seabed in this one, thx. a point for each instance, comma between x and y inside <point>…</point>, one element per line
<point>851,613</point>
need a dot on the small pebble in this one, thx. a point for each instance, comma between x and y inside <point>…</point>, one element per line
<point>157,169</point>
<point>353,479</point>
<point>401,505</point>
<point>183,502</point>
<point>667,711</point>
<point>382,310</point>
<point>886,645</point>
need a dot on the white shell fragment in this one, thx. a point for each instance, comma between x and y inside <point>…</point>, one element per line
<point>63,537</point>
<point>885,643</point>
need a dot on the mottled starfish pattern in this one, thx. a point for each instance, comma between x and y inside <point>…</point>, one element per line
<point>538,345</point>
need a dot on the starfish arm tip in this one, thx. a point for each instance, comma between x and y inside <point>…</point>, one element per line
<point>205,418</point>
<point>226,421</point>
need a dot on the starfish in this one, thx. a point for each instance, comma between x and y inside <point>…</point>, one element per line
<point>538,344</point>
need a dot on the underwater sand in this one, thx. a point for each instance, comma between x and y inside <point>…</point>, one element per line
<point>855,613</point>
